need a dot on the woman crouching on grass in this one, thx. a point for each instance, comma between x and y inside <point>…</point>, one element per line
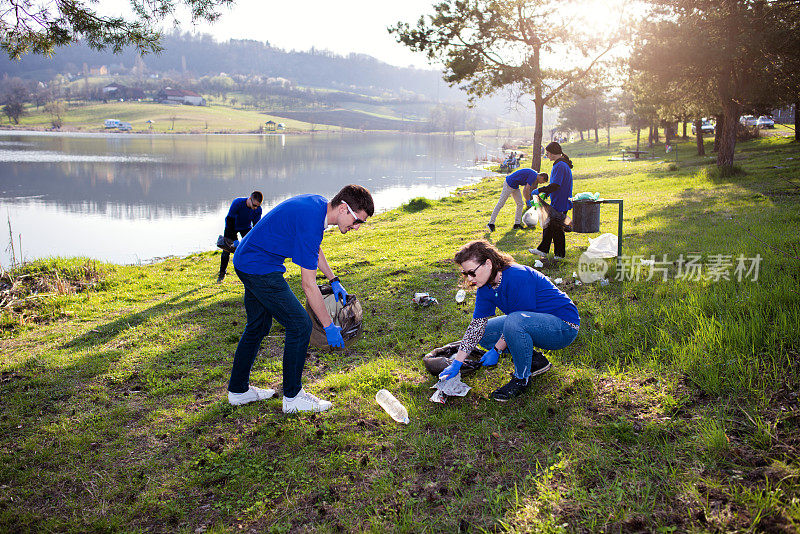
<point>537,314</point>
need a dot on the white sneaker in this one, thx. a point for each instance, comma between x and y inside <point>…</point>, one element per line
<point>251,395</point>
<point>537,252</point>
<point>305,402</point>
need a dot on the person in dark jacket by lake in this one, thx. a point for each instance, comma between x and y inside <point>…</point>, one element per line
<point>243,214</point>
<point>560,191</point>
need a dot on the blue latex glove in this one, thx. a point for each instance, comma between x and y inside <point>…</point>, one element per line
<point>452,370</point>
<point>535,192</point>
<point>529,204</point>
<point>490,358</point>
<point>338,291</point>
<point>334,335</point>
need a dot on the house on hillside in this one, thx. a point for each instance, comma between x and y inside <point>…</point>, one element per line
<point>180,96</point>
<point>102,70</point>
<point>115,91</point>
<point>271,125</point>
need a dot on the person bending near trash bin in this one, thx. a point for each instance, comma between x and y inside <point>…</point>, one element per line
<point>243,214</point>
<point>528,178</point>
<point>560,191</point>
<point>292,229</point>
<point>537,315</point>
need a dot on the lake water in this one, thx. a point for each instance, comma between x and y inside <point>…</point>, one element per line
<point>130,198</point>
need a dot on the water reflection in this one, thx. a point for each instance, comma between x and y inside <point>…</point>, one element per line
<point>121,194</point>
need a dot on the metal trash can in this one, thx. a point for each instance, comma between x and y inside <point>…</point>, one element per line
<point>586,216</point>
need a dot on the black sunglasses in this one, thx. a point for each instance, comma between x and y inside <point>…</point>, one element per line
<point>473,272</point>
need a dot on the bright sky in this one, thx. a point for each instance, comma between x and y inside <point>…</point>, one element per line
<point>343,26</point>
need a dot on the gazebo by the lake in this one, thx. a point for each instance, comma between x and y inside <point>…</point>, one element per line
<point>271,126</point>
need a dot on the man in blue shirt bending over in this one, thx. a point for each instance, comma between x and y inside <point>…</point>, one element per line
<point>244,213</point>
<point>292,229</point>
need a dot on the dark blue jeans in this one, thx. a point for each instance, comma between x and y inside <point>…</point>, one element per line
<point>267,296</point>
<point>525,330</point>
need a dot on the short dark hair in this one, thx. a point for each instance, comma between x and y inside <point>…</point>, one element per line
<point>357,197</point>
<point>546,177</point>
<point>256,195</point>
<point>480,251</point>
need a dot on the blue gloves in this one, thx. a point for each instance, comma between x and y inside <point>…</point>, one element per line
<point>338,291</point>
<point>452,370</point>
<point>490,358</point>
<point>529,204</point>
<point>535,192</point>
<point>334,335</point>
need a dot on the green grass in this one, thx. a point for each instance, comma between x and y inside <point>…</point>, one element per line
<point>676,409</point>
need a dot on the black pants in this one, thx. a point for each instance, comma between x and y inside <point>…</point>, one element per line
<point>555,233</point>
<point>230,233</point>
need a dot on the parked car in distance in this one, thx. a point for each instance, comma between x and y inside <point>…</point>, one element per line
<point>765,121</point>
<point>112,123</point>
<point>748,120</point>
<point>707,127</point>
<point>125,126</point>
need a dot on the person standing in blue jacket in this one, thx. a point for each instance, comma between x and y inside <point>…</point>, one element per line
<point>292,229</point>
<point>560,191</point>
<point>537,315</point>
<point>528,178</point>
<point>243,214</point>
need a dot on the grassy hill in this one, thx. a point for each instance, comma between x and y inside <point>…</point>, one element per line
<point>166,118</point>
<point>675,410</point>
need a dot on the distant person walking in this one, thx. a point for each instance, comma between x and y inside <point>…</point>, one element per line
<point>560,191</point>
<point>292,229</point>
<point>525,177</point>
<point>243,214</point>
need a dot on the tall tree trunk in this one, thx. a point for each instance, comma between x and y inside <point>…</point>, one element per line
<point>638,138</point>
<point>596,137</point>
<point>581,132</point>
<point>655,133</point>
<point>684,128</point>
<point>797,120</point>
<point>536,157</point>
<point>650,137</point>
<point>727,144</point>
<point>608,135</point>
<point>720,120</point>
<point>701,148</point>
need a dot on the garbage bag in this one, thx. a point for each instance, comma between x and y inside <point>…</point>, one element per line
<point>602,246</point>
<point>439,358</point>
<point>347,316</point>
<point>531,217</point>
<point>587,196</point>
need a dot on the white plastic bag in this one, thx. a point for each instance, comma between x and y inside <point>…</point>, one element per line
<point>531,217</point>
<point>603,246</point>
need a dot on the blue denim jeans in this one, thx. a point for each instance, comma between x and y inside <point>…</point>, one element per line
<point>525,330</point>
<point>268,296</point>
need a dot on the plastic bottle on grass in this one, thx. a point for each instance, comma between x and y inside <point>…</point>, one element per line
<point>392,406</point>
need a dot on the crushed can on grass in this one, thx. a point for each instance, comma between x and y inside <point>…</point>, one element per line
<point>423,299</point>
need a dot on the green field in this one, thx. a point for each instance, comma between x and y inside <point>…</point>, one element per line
<point>675,410</point>
<point>187,119</point>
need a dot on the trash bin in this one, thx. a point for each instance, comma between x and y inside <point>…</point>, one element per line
<point>586,216</point>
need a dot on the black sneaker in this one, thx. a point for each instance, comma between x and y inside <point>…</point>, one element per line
<point>514,388</point>
<point>490,226</point>
<point>225,244</point>
<point>518,227</point>
<point>220,278</point>
<point>539,364</point>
